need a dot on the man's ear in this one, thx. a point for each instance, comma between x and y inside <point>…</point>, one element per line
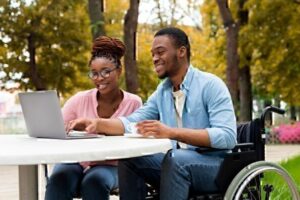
<point>182,52</point>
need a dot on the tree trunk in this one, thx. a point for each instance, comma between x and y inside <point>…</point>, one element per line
<point>96,9</point>
<point>33,72</point>
<point>231,28</point>
<point>130,28</point>
<point>245,94</point>
<point>244,73</point>
<point>293,113</point>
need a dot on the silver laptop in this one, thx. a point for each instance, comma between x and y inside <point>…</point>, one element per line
<point>43,117</point>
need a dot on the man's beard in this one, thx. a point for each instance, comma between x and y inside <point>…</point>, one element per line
<point>173,71</point>
<point>163,76</point>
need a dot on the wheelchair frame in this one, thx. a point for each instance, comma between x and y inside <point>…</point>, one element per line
<point>246,165</point>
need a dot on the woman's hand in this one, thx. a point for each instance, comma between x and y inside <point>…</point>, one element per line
<point>80,124</point>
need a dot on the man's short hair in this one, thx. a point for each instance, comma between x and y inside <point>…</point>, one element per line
<point>179,37</point>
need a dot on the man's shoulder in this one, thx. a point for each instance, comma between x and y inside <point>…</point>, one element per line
<point>205,77</point>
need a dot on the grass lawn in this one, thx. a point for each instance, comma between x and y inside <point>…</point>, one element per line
<point>281,191</point>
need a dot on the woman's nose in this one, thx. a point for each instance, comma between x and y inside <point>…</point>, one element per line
<point>98,78</point>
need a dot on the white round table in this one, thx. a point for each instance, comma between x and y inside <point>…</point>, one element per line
<point>28,152</point>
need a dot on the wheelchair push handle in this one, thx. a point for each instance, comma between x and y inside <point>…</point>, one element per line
<point>275,109</point>
<point>271,109</point>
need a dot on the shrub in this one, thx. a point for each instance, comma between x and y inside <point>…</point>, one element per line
<point>288,133</point>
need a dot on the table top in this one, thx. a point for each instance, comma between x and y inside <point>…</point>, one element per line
<point>24,150</point>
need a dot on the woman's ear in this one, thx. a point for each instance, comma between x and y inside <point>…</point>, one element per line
<point>119,71</point>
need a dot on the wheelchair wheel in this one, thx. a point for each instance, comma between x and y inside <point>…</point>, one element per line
<point>262,180</point>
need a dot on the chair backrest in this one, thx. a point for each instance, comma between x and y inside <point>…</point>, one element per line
<point>252,132</point>
<point>248,132</point>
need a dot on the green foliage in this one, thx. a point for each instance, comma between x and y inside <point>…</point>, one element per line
<point>281,190</point>
<point>268,43</point>
<point>147,77</point>
<point>273,37</point>
<point>291,166</point>
<point>114,17</point>
<point>213,43</point>
<point>62,42</point>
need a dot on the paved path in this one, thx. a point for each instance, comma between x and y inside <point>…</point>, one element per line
<point>9,174</point>
<point>277,153</point>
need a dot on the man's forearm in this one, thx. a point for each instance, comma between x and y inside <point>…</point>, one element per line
<point>110,126</point>
<point>195,137</point>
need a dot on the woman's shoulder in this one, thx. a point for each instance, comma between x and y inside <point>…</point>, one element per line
<point>131,97</point>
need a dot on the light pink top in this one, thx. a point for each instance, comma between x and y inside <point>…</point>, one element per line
<point>84,105</point>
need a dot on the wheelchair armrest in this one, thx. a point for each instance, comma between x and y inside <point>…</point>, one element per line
<point>243,146</point>
<point>205,150</point>
<point>238,148</point>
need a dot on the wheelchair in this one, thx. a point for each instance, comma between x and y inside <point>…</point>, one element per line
<point>244,170</point>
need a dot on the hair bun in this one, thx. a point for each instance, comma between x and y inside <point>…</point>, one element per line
<point>104,45</point>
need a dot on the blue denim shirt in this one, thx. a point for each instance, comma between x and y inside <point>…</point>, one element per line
<point>208,105</point>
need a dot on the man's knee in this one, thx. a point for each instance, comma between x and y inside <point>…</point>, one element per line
<point>175,157</point>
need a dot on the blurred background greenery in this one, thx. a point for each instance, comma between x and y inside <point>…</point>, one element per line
<point>252,44</point>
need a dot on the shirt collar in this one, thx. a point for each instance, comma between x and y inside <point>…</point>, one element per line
<point>185,85</point>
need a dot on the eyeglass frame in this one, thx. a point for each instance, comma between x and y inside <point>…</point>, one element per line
<point>106,74</point>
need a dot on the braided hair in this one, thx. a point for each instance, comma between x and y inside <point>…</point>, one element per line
<point>110,48</point>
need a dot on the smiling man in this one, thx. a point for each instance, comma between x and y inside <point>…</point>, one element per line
<point>191,107</point>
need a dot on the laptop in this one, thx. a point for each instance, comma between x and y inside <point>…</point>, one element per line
<point>43,117</point>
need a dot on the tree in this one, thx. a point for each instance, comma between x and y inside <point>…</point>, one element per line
<point>147,77</point>
<point>231,28</point>
<point>268,43</point>
<point>45,45</point>
<point>96,9</point>
<point>274,41</point>
<point>236,15</point>
<point>175,13</point>
<point>245,86</point>
<point>130,29</point>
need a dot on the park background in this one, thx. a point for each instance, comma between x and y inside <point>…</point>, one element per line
<point>253,45</point>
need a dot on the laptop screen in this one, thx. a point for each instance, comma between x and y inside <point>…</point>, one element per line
<point>42,114</point>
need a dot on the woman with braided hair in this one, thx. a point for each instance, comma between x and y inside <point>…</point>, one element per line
<point>94,180</point>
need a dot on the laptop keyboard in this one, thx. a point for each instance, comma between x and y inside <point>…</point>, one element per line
<point>82,134</point>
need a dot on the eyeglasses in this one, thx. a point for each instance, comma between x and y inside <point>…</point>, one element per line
<point>105,73</point>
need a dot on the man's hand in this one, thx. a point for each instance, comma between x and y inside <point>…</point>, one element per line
<point>154,128</point>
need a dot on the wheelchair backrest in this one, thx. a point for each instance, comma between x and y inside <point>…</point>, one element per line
<point>251,132</point>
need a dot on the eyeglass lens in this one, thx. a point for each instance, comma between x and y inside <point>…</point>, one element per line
<point>103,73</point>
